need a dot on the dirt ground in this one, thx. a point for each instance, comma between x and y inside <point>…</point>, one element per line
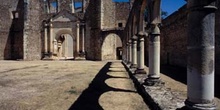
<point>63,85</point>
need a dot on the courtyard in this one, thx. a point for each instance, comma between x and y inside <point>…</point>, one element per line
<point>63,85</point>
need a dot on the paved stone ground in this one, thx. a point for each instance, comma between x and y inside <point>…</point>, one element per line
<point>63,85</point>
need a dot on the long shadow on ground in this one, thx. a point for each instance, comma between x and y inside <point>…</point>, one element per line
<point>89,99</point>
<point>180,74</point>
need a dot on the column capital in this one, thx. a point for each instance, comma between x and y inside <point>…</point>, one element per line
<point>142,34</point>
<point>155,29</point>
<point>134,38</point>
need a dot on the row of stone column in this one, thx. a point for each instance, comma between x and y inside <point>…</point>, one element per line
<point>200,61</point>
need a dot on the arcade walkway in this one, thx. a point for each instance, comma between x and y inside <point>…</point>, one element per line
<point>63,85</point>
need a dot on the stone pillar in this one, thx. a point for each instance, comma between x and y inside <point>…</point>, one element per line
<point>83,6</point>
<point>134,52</point>
<point>140,55</point>
<point>154,56</point>
<point>45,39</point>
<point>129,52</point>
<point>77,38</point>
<point>83,38</point>
<point>51,39</point>
<point>73,7</point>
<point>201,48</point>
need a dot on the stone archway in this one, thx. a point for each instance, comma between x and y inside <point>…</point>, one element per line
<point>110,47</point>
<point>65,45</point>
<point>65,48</point>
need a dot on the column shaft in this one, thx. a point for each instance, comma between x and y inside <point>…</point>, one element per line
<point>83,39</point>
<point>45,40</point>
<point>130,52</point>
<point>134,52</point>
<point>154,53</point>
<point>200,62</point>
<point>140,56</point>
<point>51,39</point>
<point>77,38</point>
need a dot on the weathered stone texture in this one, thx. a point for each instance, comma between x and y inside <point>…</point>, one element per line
<point>11,28</point>
<point>32,35</point>
<point>122,12</point>
<point>107,14</point>
<point>174,39</point>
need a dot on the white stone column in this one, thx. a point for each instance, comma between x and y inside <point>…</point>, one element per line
<point>77,38</point>
<point>201,53</point>
<point>45,39</point>
<point>51,38</point>
<point>154,56</point>
<point>66,45</point>
<point>134,52</point>
<point>130,51</point>
<point>73,6</point>
<point>83,38</point>
<point>140,56</point>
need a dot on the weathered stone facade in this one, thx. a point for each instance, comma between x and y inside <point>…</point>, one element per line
<point>20,30</point>
<point>31,30</point>
<point>104,19</point>
<point>174,39</point>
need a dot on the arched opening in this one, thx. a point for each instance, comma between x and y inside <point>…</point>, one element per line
<point>111,47</point>
<point>65,47</point>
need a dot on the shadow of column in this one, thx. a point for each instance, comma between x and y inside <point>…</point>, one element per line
<point>89,99</point>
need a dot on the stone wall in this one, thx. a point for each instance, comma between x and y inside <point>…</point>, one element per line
<point>32,30</point>
<point>11,29</point>
<point>93,20</point>
<point>174,39</point>
<point>107,14</point>
<point>122,12</point>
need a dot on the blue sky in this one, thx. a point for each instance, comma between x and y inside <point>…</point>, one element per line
<point>169,6</point>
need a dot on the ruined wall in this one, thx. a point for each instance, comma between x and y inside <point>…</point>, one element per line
<point>107,14</point>
<point>121,13</point>
<point>174,39</point>
<point>11,29</point>
<point>32,30</point>
<point>93,20</point>
<point>102,16</point>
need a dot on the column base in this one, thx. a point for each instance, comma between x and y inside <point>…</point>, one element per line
<point>153,82</point>
<point>196,106</point>
<point>140,71</point>
<point>133,66</point>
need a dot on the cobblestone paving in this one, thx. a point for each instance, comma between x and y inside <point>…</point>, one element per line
<point>63,85</point>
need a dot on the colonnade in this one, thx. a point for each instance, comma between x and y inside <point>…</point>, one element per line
<point>200,46</point>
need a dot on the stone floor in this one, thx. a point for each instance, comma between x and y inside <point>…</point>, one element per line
<point>63,85</point>
<point>172,94</point>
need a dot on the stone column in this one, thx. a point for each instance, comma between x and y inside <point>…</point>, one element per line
<point>154,56</point>
<point>51,39</point>
<point>83,38</point>
<point>45,39</point>
<point>134,52</point>
<point>73,7</point>
<point>129,52</point>
<point>77,38</point>
<point>201,51</point>
<point>140,55</point>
